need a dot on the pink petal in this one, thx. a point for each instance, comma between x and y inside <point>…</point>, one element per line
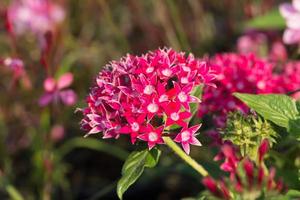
<point>293,21</point>
<point>46,99</point>
<point>195,141</point>
<point>296,4</point>
<point>291,36</point>
<point>65,80</point>
<point>151,145</point>
<point>143,137</point>
<point>185,115</point>
<point>287,10</point>
<point>178,138</point>
<point>125,129</point>
<point>68,97</point>
<point>186,147</point>
<point>49,84</point>
<point>195,128</point>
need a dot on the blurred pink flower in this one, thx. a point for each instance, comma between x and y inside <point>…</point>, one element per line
<point>55,91</point>
<point>15,65</point>
<point>57,133</point>
<point>37,16</point>
<point>291,13</point>
<point>251,43</point>
<point>137,94</point>
<point>235,73</point>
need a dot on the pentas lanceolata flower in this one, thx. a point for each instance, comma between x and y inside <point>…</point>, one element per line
<point>247,177</point>
<point>55,91</point>
<point>235,73</point>
<point>37,16</point>
<point>291,13</point>
<point>145,96</point>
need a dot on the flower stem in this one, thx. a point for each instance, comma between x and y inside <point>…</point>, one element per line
<point>170,143</point>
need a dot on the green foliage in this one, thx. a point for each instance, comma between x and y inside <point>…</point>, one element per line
<point>197,92</point>
<point>280,109</point>
<point>271,20</point>
<point>134,167</point>
<point>290,195</point>
<point>247,132</point>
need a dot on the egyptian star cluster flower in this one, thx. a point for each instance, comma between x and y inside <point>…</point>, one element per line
<point>235,73</point>
<point>247,177</point>
<point>37,16</point>
<point>144,96</point>
<point>291,13</point>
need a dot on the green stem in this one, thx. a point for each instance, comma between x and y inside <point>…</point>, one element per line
<point>170,143</point>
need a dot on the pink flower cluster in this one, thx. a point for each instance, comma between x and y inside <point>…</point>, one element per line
<point>291,13</point>
<point>37,16</point>
<point>235,73</point>
<point>245,74</point>
<point>141,96</point>
<point>289,79</point>
<point>256,175</point>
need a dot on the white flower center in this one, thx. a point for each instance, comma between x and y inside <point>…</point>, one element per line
<point>184,80</point>
<point>182,97</point>
<point>167,72</point>
<point>7,61</point>
<point>135,126</point>
<point>185,136</point>
<point>174,116</point>
<point>163,98</point>
<point>149,70</point>
<point>152,107</point>
<point>261,85</point>
<point>149,89</point>
<point>152,136</point>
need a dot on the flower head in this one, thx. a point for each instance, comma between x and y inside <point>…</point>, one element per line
<point>37,16</point>
<point>142,95</point>
<point>55,90</point>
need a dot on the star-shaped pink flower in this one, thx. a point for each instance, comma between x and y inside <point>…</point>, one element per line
<point>187,137</point>
<point>152,135</point>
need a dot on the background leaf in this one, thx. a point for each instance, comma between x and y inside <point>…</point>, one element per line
<point>271,20</point>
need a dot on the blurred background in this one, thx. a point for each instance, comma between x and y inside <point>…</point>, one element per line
<point>43,154</point>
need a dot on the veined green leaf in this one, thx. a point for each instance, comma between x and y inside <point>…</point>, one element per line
<point>279,109</point>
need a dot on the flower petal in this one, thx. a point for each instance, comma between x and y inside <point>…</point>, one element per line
<point>65,80</point>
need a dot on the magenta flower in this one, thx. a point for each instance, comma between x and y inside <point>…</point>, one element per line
<point>291,13</point>
<point>235,73</point>
<point>152,135</point>
<point>140,93</point>
<point>246,176</point>
<point>37,16</point>
<point>187,136</point>
<point>56,91</point>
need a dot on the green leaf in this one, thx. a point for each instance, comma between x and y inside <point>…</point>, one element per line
<point>294,127</point>
<point>298,106</point>
<point>134,167</point>
<point>271,20</point>
<point>13,193</point>
<point>197,92</point>
<point>279,109</point>
<point>290,195</point>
